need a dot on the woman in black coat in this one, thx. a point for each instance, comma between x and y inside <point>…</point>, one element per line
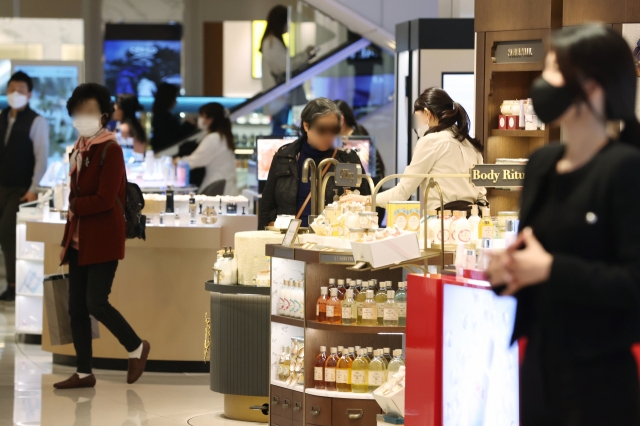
<point>285,193</point>
<point>167,128</point>
<point>575,268</point>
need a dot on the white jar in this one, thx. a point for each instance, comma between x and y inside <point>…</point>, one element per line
<point>368,220</point>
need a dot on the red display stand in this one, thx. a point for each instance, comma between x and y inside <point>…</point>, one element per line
<point>460,367</point>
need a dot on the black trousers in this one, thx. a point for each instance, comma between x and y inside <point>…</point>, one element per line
<point>89,288</point>
<point>596,392</point>
<point>9,205</point>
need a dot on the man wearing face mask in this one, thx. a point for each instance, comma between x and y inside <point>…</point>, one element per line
<point>24,148</point>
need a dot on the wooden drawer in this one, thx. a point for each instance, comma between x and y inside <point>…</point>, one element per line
<point>275,400</point>
<point>298,407</point>
<point>279,421</point>
<point>286,396</point>
<point>354,412</point>
<point>318,410</point>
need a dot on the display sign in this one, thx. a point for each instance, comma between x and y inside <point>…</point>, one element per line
<point>292,233</point>
<point>347,174</point>
<point>497,175</point>
<point>508,52</point>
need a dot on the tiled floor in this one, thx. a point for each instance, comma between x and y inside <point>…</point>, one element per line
<point>27,396</point>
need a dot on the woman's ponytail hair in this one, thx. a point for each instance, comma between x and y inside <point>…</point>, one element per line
<point>450,114</point>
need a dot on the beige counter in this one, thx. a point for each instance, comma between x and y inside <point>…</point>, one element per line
<point>157,288</point>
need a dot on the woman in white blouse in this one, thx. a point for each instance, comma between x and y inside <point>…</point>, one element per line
<point>444,147</point>
<point>215,152</point>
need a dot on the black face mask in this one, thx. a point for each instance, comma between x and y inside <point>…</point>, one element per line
<point>549,102</point>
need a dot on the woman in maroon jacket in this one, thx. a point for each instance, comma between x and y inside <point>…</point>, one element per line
<point>94,236</point>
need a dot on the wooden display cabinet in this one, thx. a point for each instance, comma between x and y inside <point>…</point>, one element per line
<point>303,404</point>
<point>500,79</point>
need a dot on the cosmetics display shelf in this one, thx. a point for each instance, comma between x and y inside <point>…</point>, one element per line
<point>358,329</point>
<point>519,133</point>
<point>280,383</point>
<point>296,322</point>
<point>335,394</point>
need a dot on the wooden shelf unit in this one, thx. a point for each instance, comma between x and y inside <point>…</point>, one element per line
<point>316,275</point>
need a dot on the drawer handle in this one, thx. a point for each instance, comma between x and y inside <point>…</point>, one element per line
<point>315,411</point>
<point>354,414</point>
<point>286,403</point>
<point>275,400</point>
<point>297,406</point>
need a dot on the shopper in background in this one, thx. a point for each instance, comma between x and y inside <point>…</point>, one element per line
<point>284,193</point>
<point>216,151</point>
<point>575,268</point>
<point>126,109</point>
<point>444,147</point>
<point>24,149</point>
<point>274,66</point>
<point>167,128</point>
<point>94,235</point>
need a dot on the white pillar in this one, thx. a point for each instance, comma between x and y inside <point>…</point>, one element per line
<point>93,39</point>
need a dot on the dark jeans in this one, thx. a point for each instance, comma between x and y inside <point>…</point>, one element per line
<point>9,205</point>
<point>89,288</point>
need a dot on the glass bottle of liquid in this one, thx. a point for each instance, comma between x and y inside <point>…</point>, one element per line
<point>369,310</point>
<point>343,373</point>
<point>386,354</point>
<point>318,368</point>
<point>390,310</point>
<point>369,353</point>
<point>341,290</point>
<point>446,238</point>
<point>463,229</point>
<point>332,283</point>
<point>321,305</point>
<point>396,362</point>
<point>381,299</point>
<point>401,302</point>
<point>474,223</point>
<point>360,298</point>
<point>352,353</point>
<point>360,373</point>
<point>349,309</point>
<point>340,351</point>
<point>333,309</point>
<point>359,285</point>
<point>330,370</point>
<point>485,227</point>
<point>377,372</point>
<point>373,284</point>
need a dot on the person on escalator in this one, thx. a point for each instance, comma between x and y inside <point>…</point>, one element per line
<point>274,66</point>
<point>284,192</point>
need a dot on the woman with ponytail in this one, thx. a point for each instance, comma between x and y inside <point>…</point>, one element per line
<point>575,267</point>
<point>216,151</point>
<point>444,147</point>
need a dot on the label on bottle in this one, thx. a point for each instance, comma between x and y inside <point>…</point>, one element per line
<point>380,310</point>
<point>330,311</point>
<point>359,310</point>
<point>329,374</point>
<point>369,313</point>
<point>487,232</point>
<point>446,236</point>
<point>376,378</point>
<point>390,314</point>
<point>464,236</point>
<point>402,309</point>
<point>342,376</point>
<point>317,373</point>
<point>358,377</point>
<point>346,312</point>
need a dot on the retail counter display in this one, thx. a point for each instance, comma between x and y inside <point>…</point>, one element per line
<point>157,288</point>
<point>222,204</point>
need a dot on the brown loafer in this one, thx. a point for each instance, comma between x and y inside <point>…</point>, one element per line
<point>136,365</point>
<point>75,382</point>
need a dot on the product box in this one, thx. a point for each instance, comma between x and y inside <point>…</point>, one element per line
<point>387,252</point>
<point>530,122</point>
<point>502,122</point>
<point>392,403</point>
<point>404,215</point>
<point>513,122</point>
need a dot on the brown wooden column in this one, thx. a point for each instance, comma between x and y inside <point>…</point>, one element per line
<point>212,59</point>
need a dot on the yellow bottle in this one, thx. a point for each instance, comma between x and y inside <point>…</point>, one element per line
<point>360,298</point>
<point>381,299</point>
<point>485,227</point>
<point>360,373</point>
<point>369,310</point>
<point>343,374</point>
<point>377,375</point>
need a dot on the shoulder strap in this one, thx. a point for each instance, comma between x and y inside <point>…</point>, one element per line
<point>104,153</point>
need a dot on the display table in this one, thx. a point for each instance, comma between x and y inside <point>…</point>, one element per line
<point>460,367</point>
<point>157,288</point>
<point>240,348</point>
